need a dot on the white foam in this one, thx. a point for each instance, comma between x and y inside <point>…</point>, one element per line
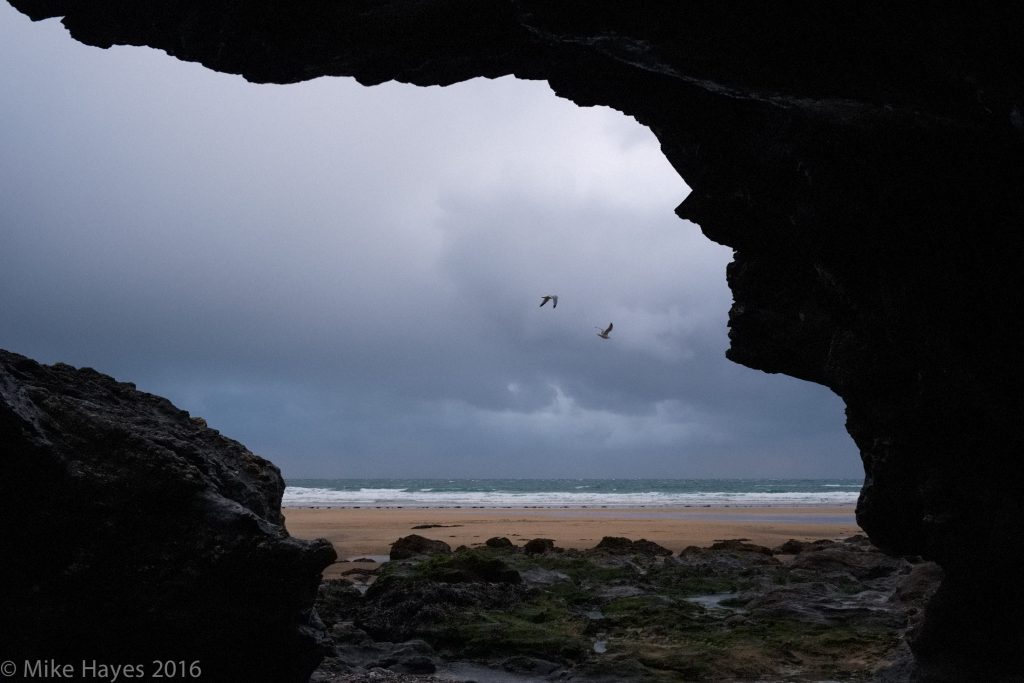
<point>298,496</point>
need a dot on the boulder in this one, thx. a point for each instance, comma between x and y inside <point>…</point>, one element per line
<point>792,547</point>
<point>414,544</point>
<point>617,545</point>
<point>722,561</point>
<point>132,532</point>
<point>539,546</point>
<point>844,559</point>
<point>739,545</point>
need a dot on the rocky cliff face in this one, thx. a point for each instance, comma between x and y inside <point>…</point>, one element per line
<point>131,532</point>
<point>866,164</point>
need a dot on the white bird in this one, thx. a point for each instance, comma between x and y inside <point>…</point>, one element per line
<point>603,334</point>
<point>553,298</point>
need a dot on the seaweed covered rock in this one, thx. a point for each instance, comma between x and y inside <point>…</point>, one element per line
<point>740,545</point>
<point>336,599</point>
<point>724,558</point>
<point>624,546</point>
<point>499,542</point>
<point>132,532</point>
<point>602,616</point>
<point>538,546</point>
<point>414,544</point>
<point>848,560</point>
<point>429,597</point>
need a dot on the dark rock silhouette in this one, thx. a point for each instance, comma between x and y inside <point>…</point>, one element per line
<point>741,545</point>
<point>618,545</point>
<point>865,163</point>
<point>133,533</point>
<point>539,546</point>
<point>414,544</point>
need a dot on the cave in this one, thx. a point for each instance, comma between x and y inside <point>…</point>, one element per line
<point>864,163</point>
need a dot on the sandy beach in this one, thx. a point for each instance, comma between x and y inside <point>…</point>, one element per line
<point>369,532</point>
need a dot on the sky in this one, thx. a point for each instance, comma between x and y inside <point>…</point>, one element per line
<point>347,280</point>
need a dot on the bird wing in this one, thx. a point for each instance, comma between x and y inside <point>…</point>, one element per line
<point>610,326</point>
<point>554,302</point>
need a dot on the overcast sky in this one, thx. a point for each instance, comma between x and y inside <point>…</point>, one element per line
<point>347,279</point>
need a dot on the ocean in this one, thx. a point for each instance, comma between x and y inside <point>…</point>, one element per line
<point>568,493</point>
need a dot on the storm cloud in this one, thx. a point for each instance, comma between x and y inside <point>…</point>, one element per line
<point>348,279</point>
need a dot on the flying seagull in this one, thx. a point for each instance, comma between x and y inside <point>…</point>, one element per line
<point>553,298</point>
<point>603,334</point>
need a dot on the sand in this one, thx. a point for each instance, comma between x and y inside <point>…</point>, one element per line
<point>369,532</point>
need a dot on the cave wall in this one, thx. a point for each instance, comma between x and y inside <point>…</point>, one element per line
<point>864,162</point>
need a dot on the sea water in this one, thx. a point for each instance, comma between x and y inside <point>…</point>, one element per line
<point>568,493</point>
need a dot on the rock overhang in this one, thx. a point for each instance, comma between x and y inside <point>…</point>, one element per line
<point>866,165</point>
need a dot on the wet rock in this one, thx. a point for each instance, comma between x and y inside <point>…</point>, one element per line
<point>919,584</point>
<point>359,571</point>
<point>414,544</point>
<point>356,651</point>
<point>645,547</point>
<point>468,566</point>
<point>538,576</point>
<point>723,561</point>
<point>849,560</point>
<point>738,545</point>
<point>621,592</point>
<point>792,547</point>
<point>415,665</point>
<point>820,603</point>
<point>624,546</point>
<point>336,600</point>
<point>615,544</point>
<point>731,613</point>
<point>499,542</point>
<point>529,665</point>
<point>538,546</point>
<point>413,657</point>
<point>859,540</point>
<point>427,598</point>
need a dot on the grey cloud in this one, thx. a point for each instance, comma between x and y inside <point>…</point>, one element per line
<point>347,279</point>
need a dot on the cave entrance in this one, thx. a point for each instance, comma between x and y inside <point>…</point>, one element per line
<point>348,280</point>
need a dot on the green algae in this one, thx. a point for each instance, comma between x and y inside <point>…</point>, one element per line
<point>538,633</point>
<point>473,605</point>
